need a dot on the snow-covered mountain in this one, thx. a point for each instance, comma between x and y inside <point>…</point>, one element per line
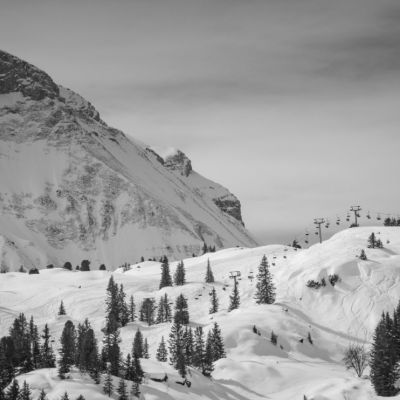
<point>73,188</point>
<point>254,369</point>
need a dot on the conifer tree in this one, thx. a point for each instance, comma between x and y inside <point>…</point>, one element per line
<point>179,276</point>
<point>12,393</point>
<point>209,273</point>
<point>181,315</point>
<point>234,298</point>
<point>65,396</point>
<point>42,395</point>
<point>80,397</point>
<point>35,345</point>
<point>204,248</point>
<point>189,345</point>
<point>214,301</point>
<point>68,266</point>
<point>61,310</point>
<point>265,293</point>
<point>122,390</point>
<point>87,359</point>
<point>199,348</point>
<point>166,279</point>
<point>147,311</point>
<point>177,349</point>
<point>123,311</point>
<point>25,393</point>
<point>138,345</point>
<point>363,256</point>
<point>67,350</point>
<point>7,368</point>
<point>85,265</point>
<point>21,341</point>
<point>146,349</point>
<point>164,310</point>
<point>137,368</point>
<point>372,241</point>
<point>132,309</point>
<point>217,343</point>
<point>112,306</point>
<point>162,353</point>
<point>208,364</point>
<point>108,385</point>
<point>274,338</point>
<point>135,389</point>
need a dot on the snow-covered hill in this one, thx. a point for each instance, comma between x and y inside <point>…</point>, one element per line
<point>254,368</point>
<point>73,188</point>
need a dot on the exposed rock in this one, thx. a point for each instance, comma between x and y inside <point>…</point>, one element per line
<point>179,162</point>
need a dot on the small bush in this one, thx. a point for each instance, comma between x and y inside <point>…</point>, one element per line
<point>33,271</point>
<point>50,266</point>
<point>333,279</point>
<point>102,267</point>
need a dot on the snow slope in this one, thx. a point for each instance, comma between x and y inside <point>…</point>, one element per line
<point>73,188</point>
<point>254,368</point>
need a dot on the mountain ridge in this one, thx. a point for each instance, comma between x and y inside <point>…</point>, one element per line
<point>77,186</point>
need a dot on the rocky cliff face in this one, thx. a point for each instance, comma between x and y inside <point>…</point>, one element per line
<point>73,188</point>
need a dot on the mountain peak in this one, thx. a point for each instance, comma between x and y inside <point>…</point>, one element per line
<point>17,75</point>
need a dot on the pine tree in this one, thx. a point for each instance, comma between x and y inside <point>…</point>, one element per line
<point>61,310</point>
<point>162,353</point>
<point>217,343</point>
<point>67,350</point>
<point>234,298</point>
<point>132,309</point>
<point>265,293</point>
<point>138,345</point>
<point>35,345</point>
<point>208,363</point>
<point>80,397</point>
<point>25,393</point>
<point>21,340</point>
<point>209,273</point>
<point>199,348</point>
<point>137,368</point>
<point>122,390</point>
<point>166,279</point>
<point>68,266</point>
<point>147,311</point>
<point>135,390</point>
<point>123,311</point>
<point>85,265</point>
<point>87,356</point>
<point>108,385</point>
<point>214,301</point>
<point>179,276</point>
<point>177,349</point>
<point>42,395</point>
<point>7,368</point>
<point>181,315</point>
<point>164,310</point>
<point>204,248</point>
<point>12,393</point>
<point>372,241</point>
<point>189,345</point>
<point>47,358</point>
<point>363,256</point>
<point>146,349</point>
<point>65,396</point>
<point>112,306</point>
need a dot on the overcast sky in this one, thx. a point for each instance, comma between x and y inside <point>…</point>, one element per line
<point>294,105</point>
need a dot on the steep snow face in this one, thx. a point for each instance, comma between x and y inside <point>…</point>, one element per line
<point>73,188</point>
<point>254,368</point>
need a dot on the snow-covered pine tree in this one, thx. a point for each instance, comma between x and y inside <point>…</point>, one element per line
<point>67,350</point>
<point>363,256</point>
<point>217,343</point>
<point>25,392</point>
<point>208,363</point>
<point>123,311</point>
<point>383,358</point>
<point>209,274</point>
<point>179,276</point>
<point>166,279</point>
<point>146,349</point>
<point>121,390</point>
<point>61,310</point>
<point>132,309</point>
<point>12,393</point>
<point>42,395</point>
<point>162,353</point>
<point>138,344</point>
<point>199,348</point>
<point>108,385</point>
<point>181,315</point>
<point>214,301</point>
<point>189,345</point>
<point>265,293</point>
<point>234,298</point>
<point>177,349</point>
<point>147,311</point>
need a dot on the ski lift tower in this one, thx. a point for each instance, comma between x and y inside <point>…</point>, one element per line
<point>318,222</point>
<point>355,210</point>
<point>235,275</point>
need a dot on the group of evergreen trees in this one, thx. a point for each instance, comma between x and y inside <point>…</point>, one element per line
<point>24,350</point>
<point>188,347</point>
<point>391,222</point>
<point>385,354</point>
